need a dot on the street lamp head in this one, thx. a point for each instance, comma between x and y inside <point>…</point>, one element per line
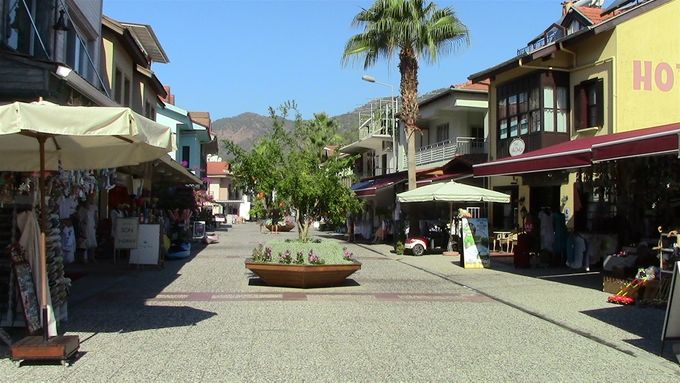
<point>368,78</point>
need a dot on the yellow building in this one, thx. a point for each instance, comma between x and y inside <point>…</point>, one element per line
<point>583,112</point>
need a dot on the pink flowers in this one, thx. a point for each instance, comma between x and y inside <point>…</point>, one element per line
<point>314,259</point>
<point>285,257</point>
<point>347,255</point>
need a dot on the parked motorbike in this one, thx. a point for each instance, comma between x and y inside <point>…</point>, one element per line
<point>434,241</point>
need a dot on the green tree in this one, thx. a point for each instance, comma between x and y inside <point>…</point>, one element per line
<point>297,168</point>
<point>413,29</point>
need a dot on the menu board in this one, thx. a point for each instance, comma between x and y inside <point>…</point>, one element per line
<point>476,243</point>
<point>147,251</point>
<point>126,233</point>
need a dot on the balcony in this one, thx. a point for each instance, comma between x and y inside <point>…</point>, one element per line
<point>373,128</point>
<point>376,131</point>
<point>446,150</point>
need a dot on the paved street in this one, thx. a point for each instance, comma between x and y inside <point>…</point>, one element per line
<point>399,318</point>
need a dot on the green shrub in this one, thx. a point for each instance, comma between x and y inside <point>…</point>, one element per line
<point>399,248</point>
<point>328,252</point>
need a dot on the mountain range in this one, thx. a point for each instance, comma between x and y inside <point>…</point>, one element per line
<point>245,128</point>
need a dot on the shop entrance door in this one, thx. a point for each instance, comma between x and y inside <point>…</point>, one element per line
<point>504,216</point>
<point>544,196</point>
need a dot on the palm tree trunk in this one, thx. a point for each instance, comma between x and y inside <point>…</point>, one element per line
<point>408,68</point>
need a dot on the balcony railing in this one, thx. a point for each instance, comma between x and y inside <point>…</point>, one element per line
<point>375,126</point>
<point>446,150</point>
<point>379,117</point>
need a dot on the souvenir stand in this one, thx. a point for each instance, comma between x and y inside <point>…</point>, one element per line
<point>17,212</point>
<point>44,137</point>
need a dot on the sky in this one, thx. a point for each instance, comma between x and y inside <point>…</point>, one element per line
<point>229,57</point>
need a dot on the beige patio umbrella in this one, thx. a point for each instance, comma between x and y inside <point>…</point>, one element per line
<point>452,192</point>
<point>38,136</point>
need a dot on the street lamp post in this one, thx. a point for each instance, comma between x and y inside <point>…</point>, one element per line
<point>394,106</point>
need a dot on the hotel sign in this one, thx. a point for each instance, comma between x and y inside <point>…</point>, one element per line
<point>648,75</point>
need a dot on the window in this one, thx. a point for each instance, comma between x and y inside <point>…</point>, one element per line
<point>532,104</point>
<point>548,111</point>
<point>118,86</point>
<point>574,27</point>
<point>186,155</point>
<point>442,132</point>
<point>589,104</point>
<point>18,32</point>
<point>78,49</point>
<point>561,109</point>
<point>127,90</point>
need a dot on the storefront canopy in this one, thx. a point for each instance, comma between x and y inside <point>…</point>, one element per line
<point>169,170</point>
<point>653,141</point>
<point>80,137</point>
<point>369,187</point>
<point>452,191</point>
<point>583,152</point>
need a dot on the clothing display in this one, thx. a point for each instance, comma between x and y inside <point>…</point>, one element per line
<point>87,223</point>
<point>547,231</point>
<point>560,242</point>
<point>67,206</point>
<point>68,243</point>
<point>29,241</point>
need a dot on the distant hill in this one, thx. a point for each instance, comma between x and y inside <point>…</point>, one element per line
<point>243,129</point>
<point>246,128</point>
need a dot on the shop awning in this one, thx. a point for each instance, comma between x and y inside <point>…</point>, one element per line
<point>566,155</point>
<point>441,178</point>
<point>369,187</point>
<point>583,152</point>
<point>169,169</point>
<point>646,142</point>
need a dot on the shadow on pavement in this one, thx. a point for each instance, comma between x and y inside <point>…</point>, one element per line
<point>256,281</point>
<point>98,298</point>
<point>645,322</point>
<point>564,275</point>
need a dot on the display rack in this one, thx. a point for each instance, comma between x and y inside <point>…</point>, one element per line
<point>668,249</point>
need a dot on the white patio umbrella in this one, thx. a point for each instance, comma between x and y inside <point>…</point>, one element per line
<point>452,192</point>
<point>38,136</point>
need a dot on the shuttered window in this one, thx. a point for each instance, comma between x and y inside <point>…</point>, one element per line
<point>589,104</point>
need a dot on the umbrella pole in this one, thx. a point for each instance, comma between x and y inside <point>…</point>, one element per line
<point>43,226</point>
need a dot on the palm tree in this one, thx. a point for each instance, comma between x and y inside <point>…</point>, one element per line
<point>414,28</point>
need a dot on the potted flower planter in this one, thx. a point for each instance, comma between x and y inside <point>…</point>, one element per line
<point>281,228</point>
<point>302,276</point>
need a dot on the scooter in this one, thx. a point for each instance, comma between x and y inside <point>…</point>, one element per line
<point>435,241</point>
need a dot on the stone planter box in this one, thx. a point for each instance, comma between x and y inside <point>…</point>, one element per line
<point>302,276</point>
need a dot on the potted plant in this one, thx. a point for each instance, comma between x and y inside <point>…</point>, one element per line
<point>302,265</point>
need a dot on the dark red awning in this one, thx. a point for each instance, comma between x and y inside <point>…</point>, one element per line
<point>582,152</point>
<point>566,155</point>
<point>370,187</point>
<point>645,142</point>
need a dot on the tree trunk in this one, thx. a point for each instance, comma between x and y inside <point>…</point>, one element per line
<point>408,68</point>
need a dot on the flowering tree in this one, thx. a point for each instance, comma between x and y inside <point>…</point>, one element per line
<point>296,168</point>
